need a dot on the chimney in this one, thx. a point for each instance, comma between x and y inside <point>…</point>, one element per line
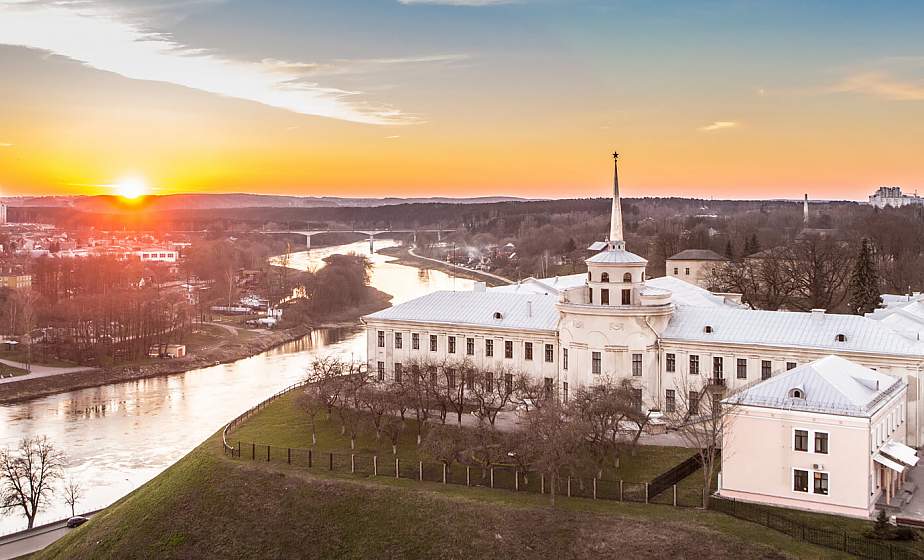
<point>818,314</point>
<point>529,308</point>
<point>479,287</point>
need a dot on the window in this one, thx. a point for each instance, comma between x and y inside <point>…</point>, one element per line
<point>381,370</point>
<point>821,442</point>
<point>415,374</point>
<point>489,382</point>
<point>549,353</point>
<point>686,271</point>
<point>452,345</point>
<point>670,401</point>
<point>790,365</point>
<point>564,359</point>
<point>627,277</point>
<point>605,277</point>
<point>415,341</point>
<point>765,369</point>
<point>796,394</point>
<point>548,387</point>
<point>590,295</point>
<point>671,363</point>
<point>399,371</point>
<point>626,297</point>
<point>604,297</point>
<point>595,363</point>
<point>564,391</point>
<point>433,343</point>
<point>470,346</point>
<point>469,380</point>
<point>693,407</point>
<point>508,349</point>
<point>637,365</point>
<point>508,383</point>
<point>528,350</point>
<point>676,271</point>
<point>398,340</point>
<point>637,398</point>
<point>742,370</point>
<point>381,339</point>
<point>694,365</point>
<point>841,338</point>
<point>451,378</point>
<point>800,480</point>
<point>820,485</point>
<point>489,348</point>
<point>707,329</point>
<point>717,367</point>
<point>800,440</point>
<point>498,315</point>
<point>432,371</point>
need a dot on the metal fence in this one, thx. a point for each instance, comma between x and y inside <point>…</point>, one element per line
<point>841,540</point>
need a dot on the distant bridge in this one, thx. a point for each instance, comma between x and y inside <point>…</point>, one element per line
<point>370,232</point>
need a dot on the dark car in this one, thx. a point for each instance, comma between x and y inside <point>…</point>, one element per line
<point>76,521</point>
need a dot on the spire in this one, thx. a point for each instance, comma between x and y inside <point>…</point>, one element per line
<point>617,239</point>
<point>805,210</point>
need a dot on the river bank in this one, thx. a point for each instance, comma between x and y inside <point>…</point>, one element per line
<point>259,341</point>
<point>403,256</point>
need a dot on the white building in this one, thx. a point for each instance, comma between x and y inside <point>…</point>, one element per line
<point>893,196</point>
<point>827,436</point>
<point>157,255</point>
<point>695,266</point>
<point>663,333</point>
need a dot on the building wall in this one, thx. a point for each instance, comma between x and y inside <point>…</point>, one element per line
<point>695,272</point>
<point>16,282</point>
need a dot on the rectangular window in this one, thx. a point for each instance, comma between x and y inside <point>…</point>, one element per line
<point>637,398</point>
<point>469,380</point>
<point>821,442</point>
<point>398,340</point>
<point>820,485</point>
<point>508,349</point>
<point>626,297</point>
<point>676,271</point>
<point>604,297</point>
<point>686,271</point>
<point>489,382</point>
<point>399,372</point>
<point>595,363</point>
<point>470,346</point>
<point>381,339</point>
<point>800,480</point>
<point>765,369</point>
<point>670,401</point>
<point>790,365</point>
<point>452,345</point>
<point>800,440</point>
<point>508,383</point>
<point>564,391</point>
<point>528,350</point>
<point>694,365</point>
<point>432,371</point>
<point>451,378</point>
<point>549,353</point>
<point>693,407</point>
<point>415,341</point>
<point>381,370</point>
<point>742,370</point>
<point>548,387</point>
<point>489,348</point>
<point>433,343</point>
<point>717,367</point>
<point>564,359</point>
<point>671,362</point>
<point>637,365</point>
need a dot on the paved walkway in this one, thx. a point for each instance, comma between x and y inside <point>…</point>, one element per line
<point>39,371</point>
<point>229,328</point>
<point>469,270</point>
<point>31,541</point>
<point>915,508</point>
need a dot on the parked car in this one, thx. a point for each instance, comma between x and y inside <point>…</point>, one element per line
<point>76,521</point>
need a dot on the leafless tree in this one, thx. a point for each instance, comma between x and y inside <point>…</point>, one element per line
<point>443,443</point>
<point>311,402</point>
<point>392,427</point>
<point>606,407</point>
<point>554,436</point>
<point>819,267</point>
<point>530,393</point>
<point>418,396</point>
<point>28,475</point>
<point>73,492</point>
<point>490,393</point>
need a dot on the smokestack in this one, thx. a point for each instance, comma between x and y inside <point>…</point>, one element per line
<point>805,210</point>
<point>529,309</point>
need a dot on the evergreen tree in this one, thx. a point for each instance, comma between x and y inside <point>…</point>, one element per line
<point>755,243</point>
<point>864,282</point>
<point>729,250</point>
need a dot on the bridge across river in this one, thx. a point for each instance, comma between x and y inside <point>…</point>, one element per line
<point>370,232</point>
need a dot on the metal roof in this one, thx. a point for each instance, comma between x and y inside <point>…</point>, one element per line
<point>697,255</point>
<point>788,328</point>
<point>517,311</point>
<point>616,256</point>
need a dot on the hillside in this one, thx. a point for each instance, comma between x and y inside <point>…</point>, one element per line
<point>210,506</point>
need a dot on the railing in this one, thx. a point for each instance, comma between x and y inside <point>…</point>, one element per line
<point>674,475</point>
<point>843,541</point>
<point>251,411</point>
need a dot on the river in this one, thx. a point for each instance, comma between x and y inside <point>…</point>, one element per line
<point>119,436</point>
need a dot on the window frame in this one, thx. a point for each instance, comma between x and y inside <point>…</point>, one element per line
<point>564,359</point>
<point>469,346</point>
<point>741,368</point>
<point>807,436</point>
<point>434,343</point>
<point>670,362</point>
<point>670,400</point>
<point>808,478</point>
<point>380,339</point>
<point>415,341</point>
<point>508,349</point>
<point>528,351</point>
<point>549,353</point>
<point>694,364</point>
<point>766,369</point>
<point>636,364</point>
<point>596,363</point>
<point>399,341</point>
<point>489,347</point>
<point>451,344</point>
<point>827,440</point>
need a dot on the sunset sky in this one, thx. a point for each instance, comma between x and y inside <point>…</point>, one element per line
<point>723,99</point>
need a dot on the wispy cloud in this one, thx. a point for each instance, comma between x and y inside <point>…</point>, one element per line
<point>102,37</point>
<point>393,136</point>
<point>459,2</point>
<point>5,145</point>
<point>718,125</point>
<point>354,66</point>
<point>881,84</point>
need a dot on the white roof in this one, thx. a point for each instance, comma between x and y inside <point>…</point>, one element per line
<point>900,451</point>
<point>906,318</point>
<point>831,385</point>
<point>687,294</point>
<point>886,462</point>
<point>788,328</point>
<point>545,286</point>
<point>616,256</point>
<point>477,308</point>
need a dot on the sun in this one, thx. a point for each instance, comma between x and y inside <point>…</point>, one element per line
<point>131,188</point>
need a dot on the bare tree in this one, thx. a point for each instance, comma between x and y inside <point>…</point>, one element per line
<point>554,436</point>
<point>490,393</point>
<point>605,407</point>
<point>392,427</point>
<point>73,492</point>
<point>529,393</point>
<point>313,404</point>
<point>443,443</point>
<point>28,475</point>
<point>28,300</point>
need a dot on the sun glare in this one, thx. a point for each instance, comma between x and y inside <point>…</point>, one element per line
<point>131,188</point>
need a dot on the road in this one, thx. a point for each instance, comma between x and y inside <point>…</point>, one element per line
<point>469,270</point>
<point>38,371</point>
<point>28,542</point>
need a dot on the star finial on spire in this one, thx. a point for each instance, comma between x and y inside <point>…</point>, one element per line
<point>615,155</point>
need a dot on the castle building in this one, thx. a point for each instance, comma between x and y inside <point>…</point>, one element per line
<point>664,334</point>
<point>893,196</point>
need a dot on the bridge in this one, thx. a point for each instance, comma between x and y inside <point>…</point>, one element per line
<point>370,232</point>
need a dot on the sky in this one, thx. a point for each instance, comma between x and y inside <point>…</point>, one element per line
<point>372,98</point>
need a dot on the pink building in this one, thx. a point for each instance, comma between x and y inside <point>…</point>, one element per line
<point>827,436</point>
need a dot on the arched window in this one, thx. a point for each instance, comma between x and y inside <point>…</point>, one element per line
<point>605,277</point>
<point>707,329</point>
<point>627,277</point>
<point>797,393</point>
<point>498,315</point>
<point>841,338</point>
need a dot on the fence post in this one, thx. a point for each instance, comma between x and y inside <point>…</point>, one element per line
<point>352,463</point>
<point>646,492</point>
<point>444,473</point>
<point>468,475</point>
<point>620,490</point>
<point>375,465</point>
<point>492,477</point>
<point>330,461</point>
<point>239,448</point>
<point>289,457</point>
<point>397,467</point>
<point>516,480</point>
<point>675,495</point>
<point>595,487</point>
<point>268,453</point>
<point>309,458</point>
<point>420,470</point>
<point>542,483</point>
<point>569,486</point>
<point>253,451</point>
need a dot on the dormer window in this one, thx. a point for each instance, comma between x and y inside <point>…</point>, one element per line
<point>498,315</point>
<point>707,329</point>
<point>605,277</point>
<point>841,338</point>
<point>627,277</point>
<point>796,393</point>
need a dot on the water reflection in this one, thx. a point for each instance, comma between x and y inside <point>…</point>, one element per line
<point>121,435</point>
